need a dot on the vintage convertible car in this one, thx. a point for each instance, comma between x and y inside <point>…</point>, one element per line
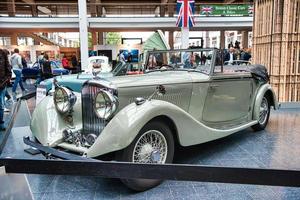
<point>139,118</point>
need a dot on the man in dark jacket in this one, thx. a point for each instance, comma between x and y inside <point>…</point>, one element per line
<point>230,56</point>
<point>5,76</point>
<point>46,68</point>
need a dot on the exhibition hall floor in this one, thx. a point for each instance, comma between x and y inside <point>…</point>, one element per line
<point>276,147</point>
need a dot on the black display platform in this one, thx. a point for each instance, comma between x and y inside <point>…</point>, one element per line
<point>14,186</point>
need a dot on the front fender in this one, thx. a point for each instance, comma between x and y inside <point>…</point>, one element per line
<point>265,89</point>
<point>47,124</point>
<point>123,128</point>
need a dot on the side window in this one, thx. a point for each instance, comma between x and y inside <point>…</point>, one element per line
<point>223,66</point>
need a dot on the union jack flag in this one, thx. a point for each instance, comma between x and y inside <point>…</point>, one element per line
<point>185,11</point>
<point>250,9</point>
<point>206,10</point>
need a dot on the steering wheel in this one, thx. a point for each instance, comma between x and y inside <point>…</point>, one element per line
<point>166,65</point>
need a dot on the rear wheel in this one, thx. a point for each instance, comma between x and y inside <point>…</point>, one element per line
<point>153,144</point>
<point>264,114</point>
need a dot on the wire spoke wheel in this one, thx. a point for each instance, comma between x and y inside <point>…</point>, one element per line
<point>264,111</point>
<point>151,147</point>
<point>154,144</point>
<point>263,115</point>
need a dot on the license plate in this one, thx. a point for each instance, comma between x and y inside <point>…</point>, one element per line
<point>41,93</point>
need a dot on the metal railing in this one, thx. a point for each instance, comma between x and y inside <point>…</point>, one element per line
<point>94,9</point>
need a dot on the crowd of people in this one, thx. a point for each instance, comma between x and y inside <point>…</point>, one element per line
<point>236,53</point>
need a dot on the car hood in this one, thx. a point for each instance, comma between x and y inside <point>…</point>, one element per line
<point>73,81</point>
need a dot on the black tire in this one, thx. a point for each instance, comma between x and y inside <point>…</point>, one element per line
<point>126,155</point>
<point>261,125</point>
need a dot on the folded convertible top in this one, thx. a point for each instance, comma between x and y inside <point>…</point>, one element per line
<point>259,72</point>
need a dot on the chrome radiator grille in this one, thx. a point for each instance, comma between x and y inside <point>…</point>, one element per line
<point>91,123</point>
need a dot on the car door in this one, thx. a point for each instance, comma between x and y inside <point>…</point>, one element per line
<point>228,100</point>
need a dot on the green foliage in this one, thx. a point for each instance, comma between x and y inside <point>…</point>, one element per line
<point>90,40</point>
<point>113,38</point>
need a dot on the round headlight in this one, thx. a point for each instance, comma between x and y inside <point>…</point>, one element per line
<point>64,99</point>
<point>105,104</point>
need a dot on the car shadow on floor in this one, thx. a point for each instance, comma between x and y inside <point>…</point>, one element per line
<point>222,148</point>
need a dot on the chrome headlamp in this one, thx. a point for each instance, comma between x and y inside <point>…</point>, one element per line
<point>105,104</point>
<point>64,99</point>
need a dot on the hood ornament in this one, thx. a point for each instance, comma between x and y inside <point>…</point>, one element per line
<point>96,70</point>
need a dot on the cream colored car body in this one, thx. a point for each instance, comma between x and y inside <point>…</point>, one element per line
<point>197,107</point>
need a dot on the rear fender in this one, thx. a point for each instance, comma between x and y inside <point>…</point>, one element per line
<point>266,89</point>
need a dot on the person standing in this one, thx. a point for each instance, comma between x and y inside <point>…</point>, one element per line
<point>74,64</point>
<point>230,45</point>
<point>237,45</point>
<point>245,55</point>
<point>16,63</point>
<point>74,61</point>
<point>122,57</point>
<point>41,59</point>
<point>129,58</point>
<point>24,63</point>
<point>230,56</point>
<point>151,62</point>
<point>46,68</point>
<point>197,59</point>
<point>65,63</point>
<point>5,76</point>
<point>188,59</point>
<point>7,95</point>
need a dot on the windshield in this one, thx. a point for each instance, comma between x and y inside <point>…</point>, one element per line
<point>196,59</point>
<point>122,68</point>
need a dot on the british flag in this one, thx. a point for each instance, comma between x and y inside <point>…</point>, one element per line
<point>250,9</point>
<point>185,11</point>
<point>206,10</point>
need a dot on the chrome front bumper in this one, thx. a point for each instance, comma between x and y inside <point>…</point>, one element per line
<point>54,153</point>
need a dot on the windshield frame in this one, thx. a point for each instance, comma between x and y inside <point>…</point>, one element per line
<point>213,50</point>
<point>121,65</point>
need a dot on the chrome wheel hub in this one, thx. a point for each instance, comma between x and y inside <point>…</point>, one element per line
<point>151,147</point>
<point>264,111</point>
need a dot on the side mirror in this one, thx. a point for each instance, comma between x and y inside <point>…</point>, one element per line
<point>161,90</point>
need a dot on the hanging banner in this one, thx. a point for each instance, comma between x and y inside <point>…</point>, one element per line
<point>226,10</point>
<point>185,10</point>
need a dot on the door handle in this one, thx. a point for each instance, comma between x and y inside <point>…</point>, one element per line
<point>214,86</point>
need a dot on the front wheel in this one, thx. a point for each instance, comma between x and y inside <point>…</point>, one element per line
<point>153,144</point>
<point>264,114</point>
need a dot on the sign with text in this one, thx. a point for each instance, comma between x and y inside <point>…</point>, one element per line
<point>226,10</point>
